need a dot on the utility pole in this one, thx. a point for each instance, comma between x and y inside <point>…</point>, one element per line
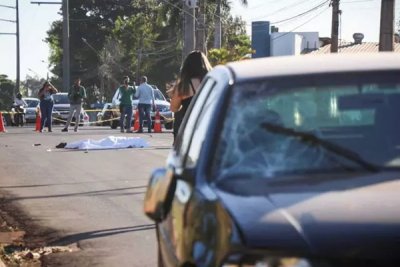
<point>189,28</point>
<point>18,54</point>
<point>139,59</point>
<point>66,57</point>
<point>218,27</point>
<point>201,28</point>
<point>387,25</point>
<point>335,26</point>
<point>16,21</point>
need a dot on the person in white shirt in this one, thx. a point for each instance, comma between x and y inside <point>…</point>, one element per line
<point>145,94</point>
<point>19,105</point>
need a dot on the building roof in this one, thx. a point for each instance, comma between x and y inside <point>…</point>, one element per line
<point>320,64</point>
<point>366,47</point>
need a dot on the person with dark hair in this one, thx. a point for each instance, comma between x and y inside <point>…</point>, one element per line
<point>145,94</point>
<point>124,96</point>
<point>46,104</point>
<point>76,95</point>
<point>194,68</point>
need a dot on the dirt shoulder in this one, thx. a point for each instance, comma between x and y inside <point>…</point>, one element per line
<point>23,242</point>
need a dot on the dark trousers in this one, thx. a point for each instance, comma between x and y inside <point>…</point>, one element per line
<point>46,110</point>
<point>125,110</point>
<point>144,112</point>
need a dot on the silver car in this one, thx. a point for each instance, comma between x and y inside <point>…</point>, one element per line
<point>31,109</point>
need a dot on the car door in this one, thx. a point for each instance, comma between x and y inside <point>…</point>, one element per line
<point>170,229</point>
<point>183,160</point>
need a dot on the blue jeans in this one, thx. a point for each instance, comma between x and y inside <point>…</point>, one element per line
<point>46,110</point>
<point>144,112</point>
<point>126,110</point>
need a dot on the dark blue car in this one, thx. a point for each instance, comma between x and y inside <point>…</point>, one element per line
<point>286,162</point>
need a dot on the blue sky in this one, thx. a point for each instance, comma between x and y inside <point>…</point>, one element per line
<point>357,16</point>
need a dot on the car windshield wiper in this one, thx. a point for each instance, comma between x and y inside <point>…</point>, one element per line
<point>316,141</point>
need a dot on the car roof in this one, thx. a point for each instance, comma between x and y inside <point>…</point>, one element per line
<point>30,98</point>
<point>313,64</point>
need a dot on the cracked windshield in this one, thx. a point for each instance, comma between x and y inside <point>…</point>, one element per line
<point>275,129</point>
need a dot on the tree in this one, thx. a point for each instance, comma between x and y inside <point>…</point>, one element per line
<point>239,48</point>
<point>6,92</point>
<point>111,39</point>
<point>218,23</point>
<point>31,85</point>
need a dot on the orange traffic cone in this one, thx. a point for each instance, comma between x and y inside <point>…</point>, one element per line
<point>136,123</point>
<point>38,119</point>
<point>157,123</point>
<point>2,128</point>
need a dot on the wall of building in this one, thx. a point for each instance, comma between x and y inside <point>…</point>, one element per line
<point>293,43</point>
<point>261,39</point>
<point>282,44</point>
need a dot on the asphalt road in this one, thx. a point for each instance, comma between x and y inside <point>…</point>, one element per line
<point>89,198</point>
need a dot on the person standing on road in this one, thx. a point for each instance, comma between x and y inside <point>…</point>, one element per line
<point>145,94</point>
<point>77,94</point>
<point>194,68</point>
<point>125,94</point>
<point>46,104</point>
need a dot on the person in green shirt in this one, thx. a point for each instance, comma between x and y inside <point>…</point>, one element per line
<point>125,93</point>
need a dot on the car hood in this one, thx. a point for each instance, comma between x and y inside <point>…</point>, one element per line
<point>346,217</point>
<point>62,106</point>
<point>157,102</point>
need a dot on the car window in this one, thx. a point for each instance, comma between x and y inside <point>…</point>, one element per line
<point>183,141</point>
<point>32,103</point>
<point>275,128</point>
<point>201,128</point>
<point>61,99</point>
<point>158,95</point>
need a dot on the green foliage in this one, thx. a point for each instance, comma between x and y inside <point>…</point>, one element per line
<point>6,92</point>
<point>111,39</point>
<point>31,85</point>
<point>239,48</point>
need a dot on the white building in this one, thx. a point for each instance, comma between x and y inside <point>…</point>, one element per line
<point>293,43</point>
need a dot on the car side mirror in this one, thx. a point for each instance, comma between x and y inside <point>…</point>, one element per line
<point>159,194</point>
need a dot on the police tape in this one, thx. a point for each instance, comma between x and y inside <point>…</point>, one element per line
<point>166,119</point>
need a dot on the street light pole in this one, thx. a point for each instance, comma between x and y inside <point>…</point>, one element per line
<point>17,43</point>
<point>18,54</point>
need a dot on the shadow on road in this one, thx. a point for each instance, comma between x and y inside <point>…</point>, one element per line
<point>70,239</point>
<point>109,192</point>
<point>45,185</point>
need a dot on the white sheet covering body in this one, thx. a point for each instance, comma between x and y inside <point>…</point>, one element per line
<point>110,142</point>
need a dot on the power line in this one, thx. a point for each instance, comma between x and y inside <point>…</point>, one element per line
<point>281,9</point>
<point>292,30</point>
<point>181,9</point>
<point>302,14</point>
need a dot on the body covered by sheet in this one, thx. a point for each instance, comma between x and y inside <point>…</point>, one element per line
<point>110,142</point>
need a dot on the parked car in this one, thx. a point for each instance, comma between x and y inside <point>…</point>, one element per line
<point>109,115</point>
<point>111,110</point>
<point>291,161</point>
<point>31,109</point>
<point>29,112</point>
<point>61,110</point>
